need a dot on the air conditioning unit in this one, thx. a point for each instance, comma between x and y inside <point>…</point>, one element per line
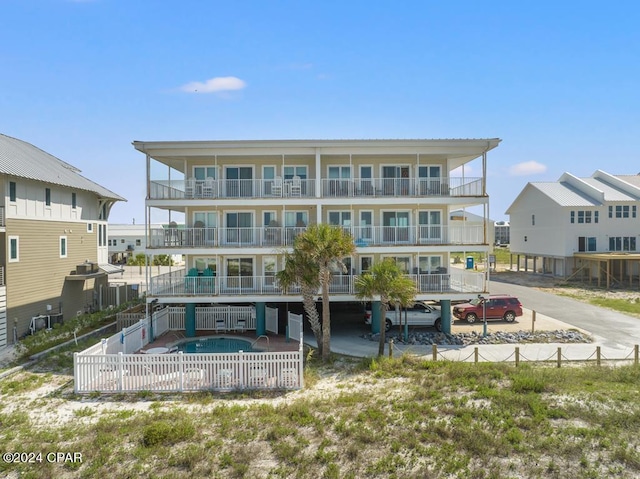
<point>87,268</point>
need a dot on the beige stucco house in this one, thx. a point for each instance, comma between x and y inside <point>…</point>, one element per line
<point>243,202</point>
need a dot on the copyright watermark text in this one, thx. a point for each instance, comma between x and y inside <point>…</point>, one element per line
<point>38,457</point>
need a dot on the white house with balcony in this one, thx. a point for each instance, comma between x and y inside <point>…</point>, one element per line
<point>243,203</point>
<point>584,228</point>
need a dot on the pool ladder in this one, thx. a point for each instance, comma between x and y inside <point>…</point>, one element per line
<point>259,338</point>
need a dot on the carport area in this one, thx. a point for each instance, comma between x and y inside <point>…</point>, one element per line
<point>607,269</point>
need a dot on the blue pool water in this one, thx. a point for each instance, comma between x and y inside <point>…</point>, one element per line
<point>216,345</point>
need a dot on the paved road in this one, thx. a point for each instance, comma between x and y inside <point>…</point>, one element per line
<point>609,328</point>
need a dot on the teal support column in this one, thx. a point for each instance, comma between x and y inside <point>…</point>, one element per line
<point>261,323</point>
<point>375,317</point>
<point>190,320</point>
<point>445,315</point>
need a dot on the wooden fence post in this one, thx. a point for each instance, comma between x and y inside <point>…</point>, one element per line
<point>517,356</point>
<point>598,355</point>
<point>636,354</point>
<point>533,321</point>
<point>391,348</point>
<point>559,356</point>
<point>475,354</point>
<point>434,351</point>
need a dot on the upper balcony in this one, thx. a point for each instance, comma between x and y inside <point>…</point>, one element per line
<point>179,284</point>
<point>277,236</point>
<point>315,188</point>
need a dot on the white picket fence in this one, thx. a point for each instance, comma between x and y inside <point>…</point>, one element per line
<point>271,320</point>
<point>215,318</point>
<point>113,366</point>
<point>119,373</point>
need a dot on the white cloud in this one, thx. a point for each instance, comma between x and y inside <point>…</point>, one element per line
<point>214,85</point>
<point>527,168</point>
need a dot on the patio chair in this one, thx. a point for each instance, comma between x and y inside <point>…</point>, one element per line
<point>240,325</point>
<point>288,378</point>
<point>296,186</point>
<point>225,379</point>
<point>276,186</point>
<point>208,188</point>
<point>190,187</point>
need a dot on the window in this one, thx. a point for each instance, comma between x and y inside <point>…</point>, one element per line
<point>47,196</point>
<point>138,242</point>
<point>14,249</point>
<point>365,263</point>
<point>633,211</point>
<point>204,172</point>
<point>74,201</point>
<point>586,243</point>
<point>269,218</point>
<point>296,218</point>
<point>429,264</point>
<point>63,246</point>
<point>585,216</point>
<point>622,243</point>
<point>340,218</point>
<point>533,220</point>
<point>290,171</point>
<point>622,211</point>
<point>12,191</point>
<point>89,227</point>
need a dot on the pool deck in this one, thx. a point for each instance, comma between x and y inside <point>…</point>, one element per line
<point>277,342</point>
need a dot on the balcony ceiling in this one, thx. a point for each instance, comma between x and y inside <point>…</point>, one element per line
<point>457,151</point>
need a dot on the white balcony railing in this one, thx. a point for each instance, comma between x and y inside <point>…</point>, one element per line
<point>177,284</point>
<point>272,236</point>
<point>306,188</point>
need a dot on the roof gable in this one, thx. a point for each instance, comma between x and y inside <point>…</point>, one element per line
<point>23,160</point>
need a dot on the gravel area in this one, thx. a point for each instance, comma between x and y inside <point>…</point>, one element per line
<point>500,337</point>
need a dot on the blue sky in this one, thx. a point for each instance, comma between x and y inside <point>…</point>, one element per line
<point>556,81</point>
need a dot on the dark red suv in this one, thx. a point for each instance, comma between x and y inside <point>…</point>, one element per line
<point>498,306</point>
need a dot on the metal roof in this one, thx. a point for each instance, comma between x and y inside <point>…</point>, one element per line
<point>631,179</point>
<point>565,195</point>
<point>23,160</point>
<point>610,193</point>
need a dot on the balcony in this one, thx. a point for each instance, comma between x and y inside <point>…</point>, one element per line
<point>177,284</point>
<point>304,188</point>
<point>275,236</point>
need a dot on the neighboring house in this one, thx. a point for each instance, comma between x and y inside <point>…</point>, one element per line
<point>245,201</point>
<point>579,227</point>
<point>54,225</point>
<point>127,241</point>
<point>502,233</point>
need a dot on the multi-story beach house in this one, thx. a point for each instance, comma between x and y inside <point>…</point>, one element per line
<point>236,205</point>
<point>579,228</point>
<point>53,223</point>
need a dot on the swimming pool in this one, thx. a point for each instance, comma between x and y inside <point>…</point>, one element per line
<point>216,345</point>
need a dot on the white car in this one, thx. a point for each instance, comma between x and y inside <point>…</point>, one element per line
<point>420,314</point>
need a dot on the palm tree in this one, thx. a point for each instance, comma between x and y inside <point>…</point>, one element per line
<point>386,280</point>
<point>316,251</point>
<point>324,246</point>
<point>299,271</point>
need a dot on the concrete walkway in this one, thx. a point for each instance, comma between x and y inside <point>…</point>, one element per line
<point>348,340</point>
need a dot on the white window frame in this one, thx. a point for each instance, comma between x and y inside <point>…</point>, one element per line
<point>206,171</point>
<point>89,227</point>
<point>341,213</point>
<point>63,247</point>
<point>17,240</point>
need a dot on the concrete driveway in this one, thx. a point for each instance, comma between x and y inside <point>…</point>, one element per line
<point>608,328</point>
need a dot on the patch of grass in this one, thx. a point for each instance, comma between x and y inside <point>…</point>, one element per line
<point>622,305</point>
